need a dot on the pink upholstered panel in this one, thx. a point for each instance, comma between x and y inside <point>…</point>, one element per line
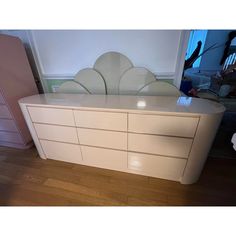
<point>16,81</point>
<point>1,99</point>
<point>7,125</point>
<point>10,137</point>
<point>4,112</point>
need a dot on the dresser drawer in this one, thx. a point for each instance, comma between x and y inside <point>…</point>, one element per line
<point>101,120</point>
<point>56,133</point>
<point>52,116</point>
<point>7,125</point>
<point>1,99</point>
<point>156,166</point>
<point>104,158</point>
<point>161,145</point>
<point>10,137</point>
<point>62,151</point>
<point>163,125</point>
<point>103,138</point>
<point>4,112</point>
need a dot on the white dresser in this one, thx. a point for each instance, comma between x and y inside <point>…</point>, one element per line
<point>164,137</point>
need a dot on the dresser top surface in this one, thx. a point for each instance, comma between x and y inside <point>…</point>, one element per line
<point>152,104</point>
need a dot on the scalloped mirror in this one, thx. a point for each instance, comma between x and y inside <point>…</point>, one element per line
<point>134,79</point>
<point>111,66</point>
<point>159,88</point>
<point>72,87</point>
<point>92,80</point>
<point>113,73</point>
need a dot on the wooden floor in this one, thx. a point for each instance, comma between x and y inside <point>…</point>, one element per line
<point>27,180</point>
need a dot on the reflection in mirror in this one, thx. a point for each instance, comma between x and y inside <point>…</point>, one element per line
<point>184,101</point>
<point>141,103</point>
<point>230,46</point>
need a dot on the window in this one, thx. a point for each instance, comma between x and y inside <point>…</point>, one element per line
<point>195,36</point>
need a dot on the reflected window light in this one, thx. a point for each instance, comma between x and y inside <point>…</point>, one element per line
<point>184,101</point>
<point>136,163</point>
<point>141,104</point>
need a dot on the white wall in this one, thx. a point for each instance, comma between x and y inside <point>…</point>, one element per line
<point>60,54</point>
<point>63,53</point>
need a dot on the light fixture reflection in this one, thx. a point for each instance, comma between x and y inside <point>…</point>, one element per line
<point>141,104</point>
<point>136,164</point>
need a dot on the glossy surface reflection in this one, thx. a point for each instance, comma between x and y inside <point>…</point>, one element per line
<point>151,104</point>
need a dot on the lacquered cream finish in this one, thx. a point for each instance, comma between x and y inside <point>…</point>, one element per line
<point>162,166</point>
<point>103,138</point>
<point>52,116</point>
<point>56,133</point>
<point>160,145</point>
<point>168,105</point>
<point>62,151</point>
<point>101,120</point>
<point>163,125</point>
<point>104,158</point>
<point>202,142</point>
<point>165,137</point>
<point>32,130</point>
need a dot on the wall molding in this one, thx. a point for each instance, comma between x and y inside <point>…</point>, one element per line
<point>71,76</point>
<point>38,63</point>
<point>183,45</point>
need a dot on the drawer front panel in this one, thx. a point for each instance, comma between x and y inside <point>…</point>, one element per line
<point>156,166</point>
<point>4,112</point>
<point>56,133</point>
<point>163,125</point>
<point>7,125</point>
<point>103,138</point>
<point>62,151</point>
<point>101,120</point>
<point>104,158</point>
<point>52,116</point>
<point>10,137</point>
<point>1,99</point>
<point>167,146</point>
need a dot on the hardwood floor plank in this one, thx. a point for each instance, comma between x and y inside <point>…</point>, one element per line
<point>5,179</point>
<point>93,192</point>
<point>75,198</point>
<point>34,198</point>
<point>129,190</point>
<point>27,180</point>
<point>133,201</point>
